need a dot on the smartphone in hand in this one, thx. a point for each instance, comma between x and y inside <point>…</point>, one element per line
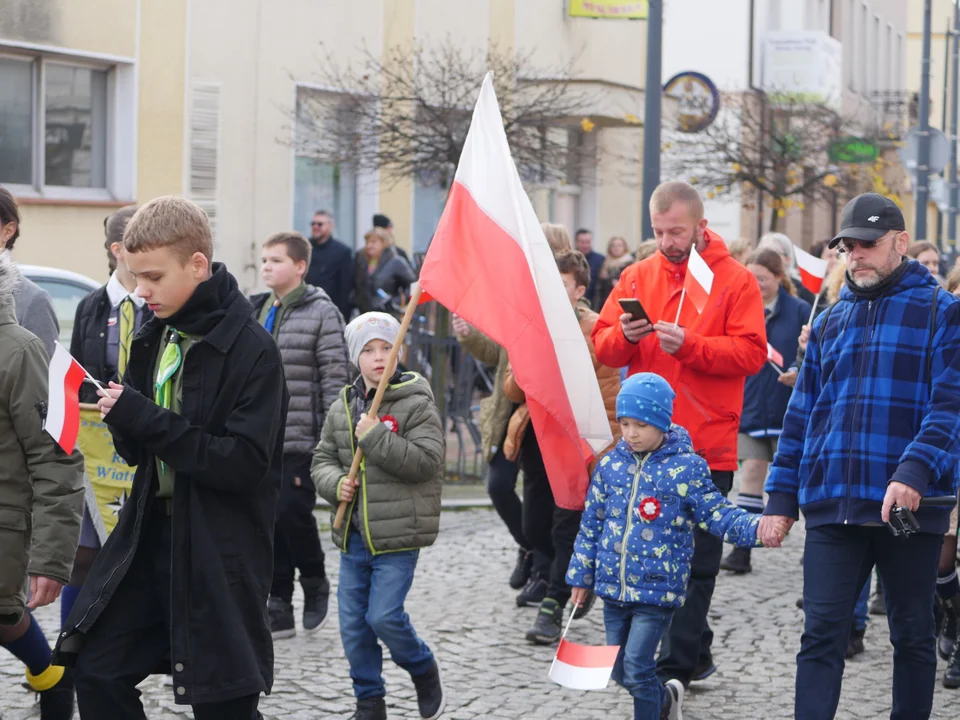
<point>633,306</point>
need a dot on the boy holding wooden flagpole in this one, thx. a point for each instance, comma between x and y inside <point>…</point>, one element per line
<point>380,460</point>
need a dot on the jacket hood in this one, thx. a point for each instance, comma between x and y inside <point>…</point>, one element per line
<point>914,276</point>
<point>676,442</point>
<point>9,279</point>
<point>402,385</point>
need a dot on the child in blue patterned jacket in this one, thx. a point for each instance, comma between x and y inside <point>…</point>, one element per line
<point>636,537</point>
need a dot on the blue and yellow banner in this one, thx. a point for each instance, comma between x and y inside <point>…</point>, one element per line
<point>609,9</point>
<point>110,477</point>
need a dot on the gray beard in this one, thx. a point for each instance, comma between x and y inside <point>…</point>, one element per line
<point>868,283</point>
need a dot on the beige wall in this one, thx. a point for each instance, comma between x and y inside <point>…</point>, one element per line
<point>99,26</point>
<point>68,234</point>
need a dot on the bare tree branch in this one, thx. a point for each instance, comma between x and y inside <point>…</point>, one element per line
<point>406,113</point>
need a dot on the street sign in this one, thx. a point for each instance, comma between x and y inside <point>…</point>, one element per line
<point>939,151</point>
<point>698,100</point>
<point>853,150</point>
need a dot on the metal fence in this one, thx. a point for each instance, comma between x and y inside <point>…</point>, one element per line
<point>457,379</point>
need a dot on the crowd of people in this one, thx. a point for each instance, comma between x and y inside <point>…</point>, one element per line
<point>237,412</point>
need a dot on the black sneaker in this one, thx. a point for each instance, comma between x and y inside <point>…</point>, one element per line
<point>877,604</point>
<point>855,643</point>
<point>533,592</point>
<point>738,561</point>
<point>947,636</point>
<point>673,711</point>
<point>521,573</point>
<point>431,699</point>
<point>799,603</point>
<point>316,602</point>
<point>547,628</point>
<point>702,671</point>
<point>370,709</point>
<point>281,618</point>
<point>581,610</point>
<point>951,676</point>
<point>57,702</point>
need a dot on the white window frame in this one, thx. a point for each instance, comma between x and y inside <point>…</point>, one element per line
<point>120,115</point>
<point>864,49</point>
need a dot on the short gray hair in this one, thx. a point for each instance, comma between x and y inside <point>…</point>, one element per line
<point>783,245</point>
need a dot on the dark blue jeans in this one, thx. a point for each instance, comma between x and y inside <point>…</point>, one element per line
<point>370,595</point>
<point>638,629</point>
<point>837,562</point>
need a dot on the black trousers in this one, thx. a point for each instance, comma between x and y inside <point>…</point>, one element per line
<point>687,644</point>
<point>502,489</point>
<point>296,541</point>
<point>551,530</point>
<point>131,640</point>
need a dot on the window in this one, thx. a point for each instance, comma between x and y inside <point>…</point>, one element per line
<point>889,68</point>
<point>53,124</point>
<point>322,185</point>
<point>898,59</point>
<point>850,44</point>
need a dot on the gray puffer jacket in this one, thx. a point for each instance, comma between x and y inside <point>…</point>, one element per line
<point>315,364</point>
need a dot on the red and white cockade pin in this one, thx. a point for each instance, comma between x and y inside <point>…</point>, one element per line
<point>391,422</point>
<point>649,509</point>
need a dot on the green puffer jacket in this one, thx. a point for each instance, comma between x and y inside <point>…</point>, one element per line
<point>495,410</point>
<point>398,501</point>
<point>41,488</point>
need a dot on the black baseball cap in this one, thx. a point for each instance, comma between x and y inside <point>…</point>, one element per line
<point>869,217</point>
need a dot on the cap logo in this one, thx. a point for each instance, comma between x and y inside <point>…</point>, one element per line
<point>873,218</point>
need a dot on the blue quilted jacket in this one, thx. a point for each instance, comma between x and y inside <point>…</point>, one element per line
<point>636,536</point>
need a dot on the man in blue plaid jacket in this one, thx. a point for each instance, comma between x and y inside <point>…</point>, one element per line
<point>874,422</point>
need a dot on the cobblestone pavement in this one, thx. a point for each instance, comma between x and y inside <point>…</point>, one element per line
<point>464,609</point>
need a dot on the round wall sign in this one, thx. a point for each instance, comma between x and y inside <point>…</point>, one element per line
<point>697,98</point>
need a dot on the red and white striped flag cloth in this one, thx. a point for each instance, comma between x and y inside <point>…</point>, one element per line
<point>812,270</point>
<point>490,263</point>
<point>774,356</point>
<point>699,280</point>
<point>583,667</point>
<point>63,402</point>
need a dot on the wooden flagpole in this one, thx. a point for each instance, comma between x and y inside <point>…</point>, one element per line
<point>683,294</point>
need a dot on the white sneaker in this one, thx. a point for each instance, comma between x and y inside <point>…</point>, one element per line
<point>675,688</point>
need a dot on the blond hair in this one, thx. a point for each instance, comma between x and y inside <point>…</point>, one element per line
<point>172,222</point>
<point>297,246</point>
<point>557,236</point>
<point>378,233</point>
<point>836,279</point>
<point>953,280</point>
<point>675,191</point>
<point>645,249</point>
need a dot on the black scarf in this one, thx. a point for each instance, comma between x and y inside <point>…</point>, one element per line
<point>207,306</point>
<point>872,293</point>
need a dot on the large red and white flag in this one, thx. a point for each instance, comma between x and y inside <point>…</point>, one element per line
<point>699,280</point>
<point>583,667</point>
<point>490,263</point>
<point>812,270</point>
<point>63,402</point>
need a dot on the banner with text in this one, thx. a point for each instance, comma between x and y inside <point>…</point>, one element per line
<point>109,475</point>
<point>609,9</point>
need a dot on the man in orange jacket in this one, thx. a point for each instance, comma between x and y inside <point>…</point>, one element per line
<point>706,360</point>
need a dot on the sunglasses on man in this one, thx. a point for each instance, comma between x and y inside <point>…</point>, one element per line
<point>847,245</point>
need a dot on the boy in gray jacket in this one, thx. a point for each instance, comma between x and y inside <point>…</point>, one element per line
<point>308,329</point>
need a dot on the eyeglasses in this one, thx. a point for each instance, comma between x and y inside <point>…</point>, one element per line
<point>846,245</point>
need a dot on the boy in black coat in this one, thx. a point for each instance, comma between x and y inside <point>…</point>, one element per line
<point>181,584</point>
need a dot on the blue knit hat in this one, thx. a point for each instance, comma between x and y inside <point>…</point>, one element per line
<point>646,397</point>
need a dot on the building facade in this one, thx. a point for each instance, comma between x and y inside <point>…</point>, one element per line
<point>91,119</point>
<point>118,101</point>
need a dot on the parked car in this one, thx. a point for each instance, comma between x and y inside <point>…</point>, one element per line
<point>66,289</point>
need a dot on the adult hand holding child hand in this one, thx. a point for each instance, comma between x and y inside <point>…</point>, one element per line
<point>773,529</point>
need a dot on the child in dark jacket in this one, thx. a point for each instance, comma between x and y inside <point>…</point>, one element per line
<point>636,537</point>
<point>394,510</point>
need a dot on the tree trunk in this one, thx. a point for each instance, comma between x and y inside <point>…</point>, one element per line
<point>774,218</point>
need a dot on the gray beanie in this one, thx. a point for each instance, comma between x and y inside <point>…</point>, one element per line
<point>367,327</point>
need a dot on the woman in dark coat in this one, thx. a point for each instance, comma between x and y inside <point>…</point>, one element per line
<point>764,397</point>
<point>383,278</point>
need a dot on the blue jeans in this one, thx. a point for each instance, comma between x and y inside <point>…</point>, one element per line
<point>370,596</point>
<point>638,629</point>
<point>860,612</point>
<point>836,564</point>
